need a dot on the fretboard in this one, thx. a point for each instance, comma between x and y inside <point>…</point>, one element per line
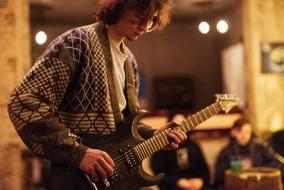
<point>159,141</point>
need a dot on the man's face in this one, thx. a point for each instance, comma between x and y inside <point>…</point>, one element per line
<point>243,135</point>
<point>131,26</point>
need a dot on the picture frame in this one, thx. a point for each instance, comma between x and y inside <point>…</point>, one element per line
<point>272,55</point>
<point>3,3</point>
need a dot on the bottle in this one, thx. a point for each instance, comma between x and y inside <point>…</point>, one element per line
<point>235,164</point>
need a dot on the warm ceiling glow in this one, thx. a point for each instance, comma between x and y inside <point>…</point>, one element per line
<point>204,27</point>
<point>222,26</point>
<point>41,37</point>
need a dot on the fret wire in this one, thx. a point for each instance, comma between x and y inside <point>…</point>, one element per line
<point>187,125</point>
<point>144,149</point>
<point>182,126</point>
<point>163,137</point>
<point>136,149</point>
<point>154,140</point>
<point>137,153</point>
<point>150,146</point>
<point>140,151</point>
<point>162,141</point>
<point>199,117</point>
<point>195,120</point>
<point>159,141</point>
<point>208,108</point>
<point>204,114</point>
<point>214,106</point>
<point>154,145</point>
<point>192,124</point>
<point>166,141</point>
<point>212,109</point>
<point>160,144</point>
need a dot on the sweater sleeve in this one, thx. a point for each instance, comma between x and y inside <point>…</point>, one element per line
<point>34,102</point>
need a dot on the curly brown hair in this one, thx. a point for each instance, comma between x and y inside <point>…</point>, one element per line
<point>110,11</point>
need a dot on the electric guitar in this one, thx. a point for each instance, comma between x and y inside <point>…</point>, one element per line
<point>128,149</point>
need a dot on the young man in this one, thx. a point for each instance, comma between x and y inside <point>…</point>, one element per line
<point>242,149</point>
<point>86,84</point>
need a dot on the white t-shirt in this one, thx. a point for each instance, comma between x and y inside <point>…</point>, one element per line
<point>119,56</point>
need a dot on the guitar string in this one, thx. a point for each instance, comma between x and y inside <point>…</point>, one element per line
<point>119,159</point>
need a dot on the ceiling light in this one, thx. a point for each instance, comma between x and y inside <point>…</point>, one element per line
<point>41,37</point>
<point>204,27</point>
<point>222,26</point>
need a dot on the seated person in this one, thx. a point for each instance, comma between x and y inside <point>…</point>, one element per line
<point>185,168</point>
<point>277,143</point>
<point>242,148</point>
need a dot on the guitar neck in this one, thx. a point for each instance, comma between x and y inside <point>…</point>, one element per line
<point>150,146</point>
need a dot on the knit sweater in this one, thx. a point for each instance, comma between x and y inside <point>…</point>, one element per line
<point>70,91</point>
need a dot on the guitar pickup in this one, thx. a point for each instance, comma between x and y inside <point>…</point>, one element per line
<point>129,158</point>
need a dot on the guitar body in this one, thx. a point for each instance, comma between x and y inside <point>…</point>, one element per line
<point>129,175</point>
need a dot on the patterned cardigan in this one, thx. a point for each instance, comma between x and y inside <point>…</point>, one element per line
<point>69,91</point>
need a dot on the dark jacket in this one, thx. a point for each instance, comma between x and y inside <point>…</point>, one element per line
<point>171,163</point>
<point>259,155</point>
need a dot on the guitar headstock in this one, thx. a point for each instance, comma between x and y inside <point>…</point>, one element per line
<point>226,101</point>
